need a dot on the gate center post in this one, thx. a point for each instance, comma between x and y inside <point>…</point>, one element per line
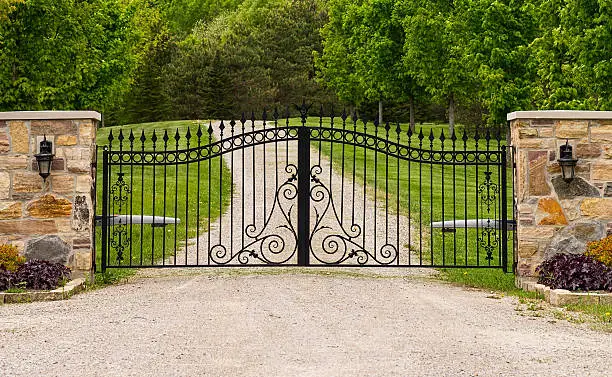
<point>303,185</point>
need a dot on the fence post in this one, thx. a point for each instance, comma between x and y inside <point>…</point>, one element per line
<point>504,209</point>
<point>303,186</point>
<point>104,209</point>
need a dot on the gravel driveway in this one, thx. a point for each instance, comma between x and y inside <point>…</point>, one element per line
<point>292,322</point>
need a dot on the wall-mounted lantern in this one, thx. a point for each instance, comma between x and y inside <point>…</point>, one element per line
<point>567,162</point>
<point>44,158</point>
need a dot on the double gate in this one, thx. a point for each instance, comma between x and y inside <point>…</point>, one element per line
<point>318,191</point>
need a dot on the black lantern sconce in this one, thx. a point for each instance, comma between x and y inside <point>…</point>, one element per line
<point>567,162</point>
<point>44,158</point>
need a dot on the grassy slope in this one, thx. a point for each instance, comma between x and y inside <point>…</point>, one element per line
<point>173,185</point>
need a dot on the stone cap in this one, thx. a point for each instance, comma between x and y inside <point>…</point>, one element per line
<point>48,115</point>
<point>560,114</point>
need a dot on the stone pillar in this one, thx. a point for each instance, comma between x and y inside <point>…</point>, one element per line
<point>552,215</point>
<point>50,220</point>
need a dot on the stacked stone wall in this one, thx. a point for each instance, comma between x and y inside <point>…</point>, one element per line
<point>50,219</point>
<point>554,216</point>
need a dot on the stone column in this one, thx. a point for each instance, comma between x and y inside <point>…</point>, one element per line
<point>554,216</point>
<point>50,220</point>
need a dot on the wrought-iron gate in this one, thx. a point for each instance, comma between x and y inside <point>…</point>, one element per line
<point>336,191</point>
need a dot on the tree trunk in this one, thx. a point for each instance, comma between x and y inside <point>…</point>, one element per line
<point>380,111</point>
<point>451,114</point>
<point>412,113</point>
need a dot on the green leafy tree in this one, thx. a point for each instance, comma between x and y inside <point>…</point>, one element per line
<point>435,50</point>
<point>65,54</point>
<point>362,54</point>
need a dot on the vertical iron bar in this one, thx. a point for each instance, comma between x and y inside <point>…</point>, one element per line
<point>504,210</point>
<point>153,189</point>
<point>105,214</point>
<point>443,198</point>
<point>188,138</point>
<point>142,171</point>
<point>199,155</point>
<point>165,139</point>
<point>303,196</point>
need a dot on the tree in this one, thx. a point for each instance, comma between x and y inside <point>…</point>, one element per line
<point>435,51</point>
<point>65,54</point>
<point>499,35</point>
<point>362,53</point>
<point>259,55</point>
<point>572,55</point>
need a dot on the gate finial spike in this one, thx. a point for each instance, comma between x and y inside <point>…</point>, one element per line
<point>344,115</point>
<point>243,119</point>
<point>199,133</point>
<point>264,116</point>
<point>131,137</point>
<point>421,136</point>
<point>465,136</point>
<point>143,138</point>
<point>275,114</point>
<point>154,138</point>
<point>188,134</point>
<point>210,130</point>
<point>232,125</point>
<point>409,132</point>
<point>454,136</point>
<point>177,136</point>
<point>431,135</point>
<point>165,138</point>
<point>442,137</point>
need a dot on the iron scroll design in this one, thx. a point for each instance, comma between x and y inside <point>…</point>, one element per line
<point>119,239</point>
<point>340,245</point>
<point>276,242</point>
<point>488,238</point>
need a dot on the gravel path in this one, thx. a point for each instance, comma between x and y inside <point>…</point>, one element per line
<point>283,322</point>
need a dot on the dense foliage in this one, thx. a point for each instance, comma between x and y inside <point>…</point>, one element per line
<point>575,272</point>
<point>5,279</point>
<point>34,274</point>
<point>142,60</point>
<point>601,250</point>
<point>40,274</point>
<point>9,257</point>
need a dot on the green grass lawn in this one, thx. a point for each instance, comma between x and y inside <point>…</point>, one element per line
<point>181,191</point>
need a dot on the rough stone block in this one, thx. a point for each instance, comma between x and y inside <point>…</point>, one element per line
<point>591,150</point>
<point>66,140</point>
<point>5,185</point>
<point>602,171</point>
<point>79,166</point>
<point>573,238</point>
<point>14,162</point>
<point>20,139</point>
<point>4,142</point>
<point>537,173</point>
<point>80,216</point>
<point>86,134</point>
<point>536,232</point>
<point>10,210</point>
<point>62,183</point>
<point>527,249</point>
<point>607,151</point>
<point>525,133</point>
<point>63,226</point>
<point>571,129</point>
<point>53,127</point>
<point>83,261</point>
<point>598,208</point>
<point>608,190</point>
<point>550,212</point>
<point>49,206</point>
<point>52,248</point>
<point>560,297</point>
<point>545,132</point>
<point>576,188</point>
<point>83,183</point>
<point>27,227</point>
<point>26,183</point>
<point>535,143</point>
<point>601,134</point>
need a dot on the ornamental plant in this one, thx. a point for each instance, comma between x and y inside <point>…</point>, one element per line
<point>575,272</point>
<point>601,250</point>
<point>10,258</point>
<point>40,274</point>
<point>5,279</point>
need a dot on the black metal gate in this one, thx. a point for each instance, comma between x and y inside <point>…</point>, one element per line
<point>335,191</point>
